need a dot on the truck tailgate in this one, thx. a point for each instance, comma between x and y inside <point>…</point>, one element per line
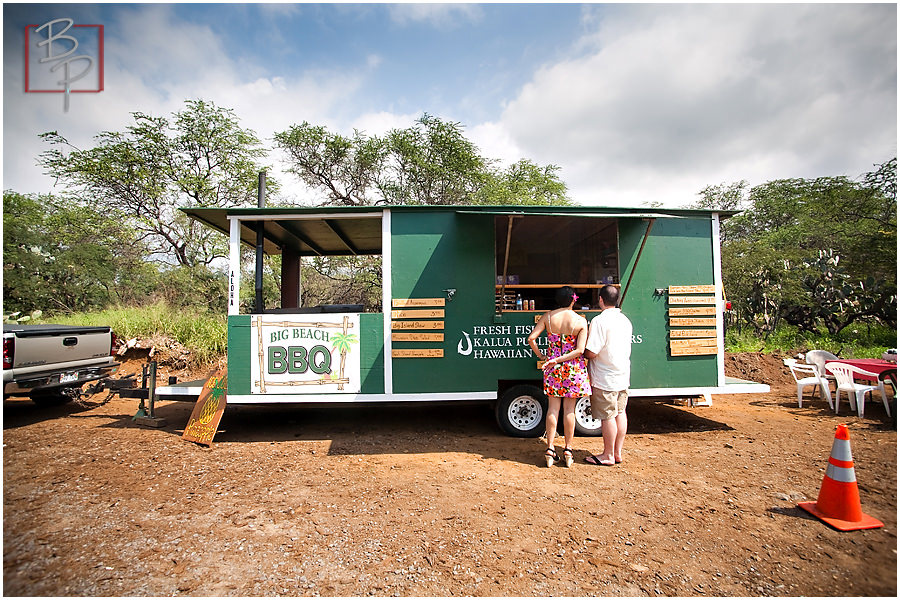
<point>36,347</point>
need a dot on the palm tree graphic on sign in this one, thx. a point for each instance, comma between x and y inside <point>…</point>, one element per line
<point>341,342</point>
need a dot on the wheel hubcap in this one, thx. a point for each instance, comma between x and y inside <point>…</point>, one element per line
<point>583,415</point>
<point>524,413</point>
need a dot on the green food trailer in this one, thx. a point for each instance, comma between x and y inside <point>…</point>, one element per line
<point>462,287</point>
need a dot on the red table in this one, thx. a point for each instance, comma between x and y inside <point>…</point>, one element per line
<point>885,370</point>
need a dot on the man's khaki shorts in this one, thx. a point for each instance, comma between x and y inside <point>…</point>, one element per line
<point>606,405</point>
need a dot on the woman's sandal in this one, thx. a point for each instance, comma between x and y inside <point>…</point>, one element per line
<point>550,455</point>
<point>569,457</point>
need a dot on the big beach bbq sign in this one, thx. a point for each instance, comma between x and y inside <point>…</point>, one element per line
<point>62,57</point>
<point>305,354</point>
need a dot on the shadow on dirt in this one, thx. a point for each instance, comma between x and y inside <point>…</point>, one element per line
<point>401,428</point>
<point>874,414</point>
<point>791,511</point>
<point>21,412</point>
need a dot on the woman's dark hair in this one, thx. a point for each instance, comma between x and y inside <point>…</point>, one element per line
<point>564,296</point>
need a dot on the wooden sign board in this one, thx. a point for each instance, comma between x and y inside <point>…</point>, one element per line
<point>417,353</point>
<point>691,322</point>
<point>692,299</point>
<point>417,324</point>
<point>692,343</point>
<point>692,311</point>
<point>429,313</point>
<point>207,413</point>
<point>417,337</point>
<point>692,333</point>
<point>692,289</point>
<point>698,351</point>
<point>415,302</point>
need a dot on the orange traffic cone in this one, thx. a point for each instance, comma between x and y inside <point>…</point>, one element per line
<point>838,503</point>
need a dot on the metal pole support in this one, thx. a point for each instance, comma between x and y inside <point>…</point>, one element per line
<point>151,420</point>
<point>152,393</point>
<point>142,409</point>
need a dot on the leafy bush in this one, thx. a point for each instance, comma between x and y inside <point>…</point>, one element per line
<point>857,341</point>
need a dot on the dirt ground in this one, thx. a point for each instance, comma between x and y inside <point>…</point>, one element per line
<point>436,501</point>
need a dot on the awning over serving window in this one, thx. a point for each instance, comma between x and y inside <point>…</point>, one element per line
<point>308,232</point>
<point>339,231</point>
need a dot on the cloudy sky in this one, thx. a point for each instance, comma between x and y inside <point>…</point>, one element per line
<point>635,103</point>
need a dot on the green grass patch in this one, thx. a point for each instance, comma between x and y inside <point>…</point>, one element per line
<point>205,335</point>
<point>856,341</point>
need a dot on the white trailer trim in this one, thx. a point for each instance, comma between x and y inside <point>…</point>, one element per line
<point>386,296</point>
<point>738,387</point>
<point>720,301</point>
<point>234,268</point>
<point>349,399</point>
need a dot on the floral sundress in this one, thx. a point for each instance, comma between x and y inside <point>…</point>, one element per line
<point>568,379</point>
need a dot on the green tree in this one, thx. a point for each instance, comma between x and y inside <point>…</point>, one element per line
<point>723,196</point>
<point>343,280</point>
<point>524,182</point>
<point>819,252</point>
<point>200,157</point>
<point>430,162</point>
<point>343,168</point>
<point>62,256</point>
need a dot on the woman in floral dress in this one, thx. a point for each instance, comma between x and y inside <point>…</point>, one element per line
<point>565,370</point>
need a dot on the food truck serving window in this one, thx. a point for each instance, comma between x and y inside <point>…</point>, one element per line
<point>536,254</point>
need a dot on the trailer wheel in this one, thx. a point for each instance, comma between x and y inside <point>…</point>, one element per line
<point>585,423</point>
<point>521,411</point>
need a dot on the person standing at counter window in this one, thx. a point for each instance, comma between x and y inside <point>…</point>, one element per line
<point>608,350</point>
<point>565,369</point>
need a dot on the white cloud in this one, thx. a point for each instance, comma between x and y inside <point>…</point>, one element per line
<point>379,123</point>
<point>664,100</point>
<point>441,16</point>
<point>495,142</point>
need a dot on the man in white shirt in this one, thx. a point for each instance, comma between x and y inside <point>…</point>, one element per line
<point>608,351</point>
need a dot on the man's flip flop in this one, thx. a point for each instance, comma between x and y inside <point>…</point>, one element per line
<point>593,460</point>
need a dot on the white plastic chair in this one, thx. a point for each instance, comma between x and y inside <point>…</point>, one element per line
<point>856,392</point>
<point>806,375</point>
<point>819,358</point>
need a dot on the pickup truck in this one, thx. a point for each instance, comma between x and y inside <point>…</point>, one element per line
<point>51,363</point>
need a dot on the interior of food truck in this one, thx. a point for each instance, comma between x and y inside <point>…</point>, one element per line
<point>536,254</point>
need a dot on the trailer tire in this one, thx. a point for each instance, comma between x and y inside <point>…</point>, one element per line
<point>585,423</point>
<point>521,411</point>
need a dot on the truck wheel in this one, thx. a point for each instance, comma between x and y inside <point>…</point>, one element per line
<point>585,424</point>
<point>521,411</point>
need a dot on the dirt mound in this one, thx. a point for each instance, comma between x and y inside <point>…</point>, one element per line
<point>758,367</point>
<point>171,357</point>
